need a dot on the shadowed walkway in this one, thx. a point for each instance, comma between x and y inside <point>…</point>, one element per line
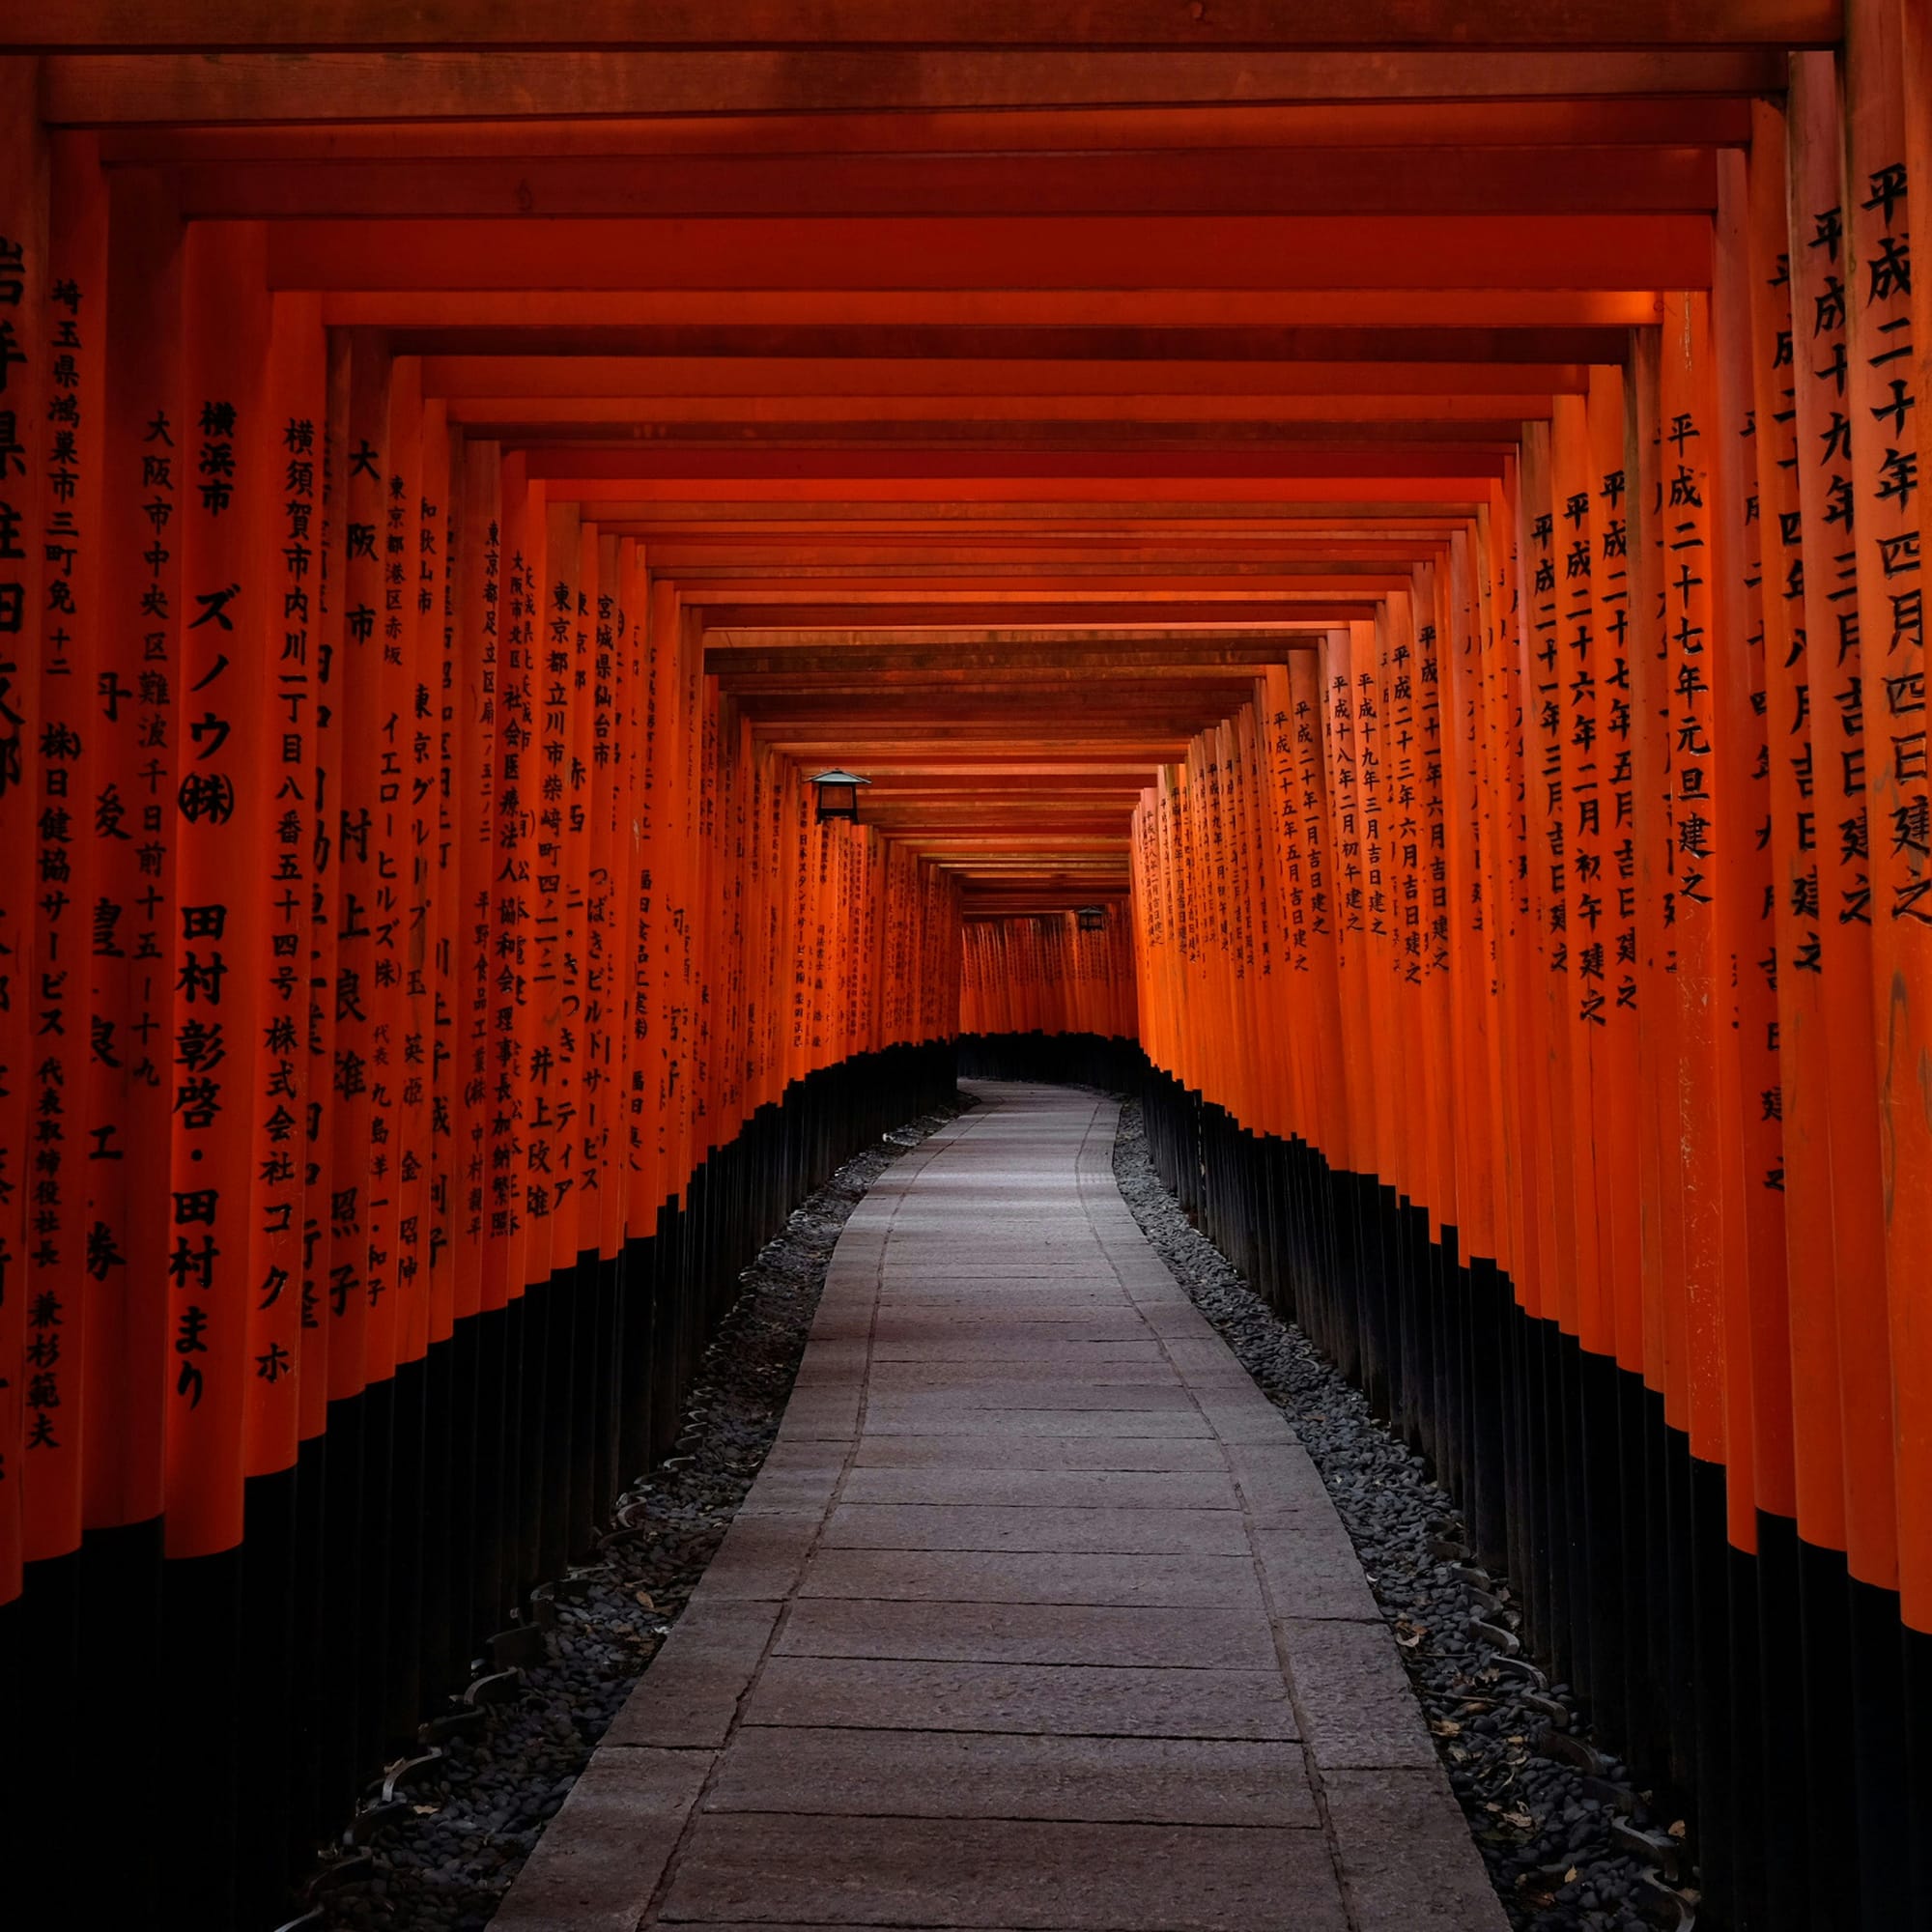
<point>1037,1615</point>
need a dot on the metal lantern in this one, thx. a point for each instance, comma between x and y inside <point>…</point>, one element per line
<point>1093,919</point>
<point>839,796</point>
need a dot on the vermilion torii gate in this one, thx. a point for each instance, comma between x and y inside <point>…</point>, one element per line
<point>1414,510</point>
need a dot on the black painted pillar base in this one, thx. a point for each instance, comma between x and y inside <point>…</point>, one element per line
<point>1058,1058</point>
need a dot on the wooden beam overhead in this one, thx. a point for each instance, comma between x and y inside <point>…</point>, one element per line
<point>779,426</point>
<point>1037,251</point>
<point>925,376</point>
<point>1516,324</point>
<point>735,665</point>
<point>726,348</point>
<point>1702,120</point>
<point>734,646</point>
<point>1247,181</point>
<point>1051,421</point>
<point>756,551</point>
<point>889,554</point>
<point>867,742</point>
<point>916,616</point>
<point>1159,583</point>
<point>859,690</point>
<point>1011,477</point>
<point>1247,25</point>
<point>103,89</point>
<point>610,318</point>
<point>1158,579</point>
<point>1176,520</point>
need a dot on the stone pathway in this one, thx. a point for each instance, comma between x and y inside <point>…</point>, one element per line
<point>1038,1616</point>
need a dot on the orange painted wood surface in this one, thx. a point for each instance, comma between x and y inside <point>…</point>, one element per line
<point>1421,525</point>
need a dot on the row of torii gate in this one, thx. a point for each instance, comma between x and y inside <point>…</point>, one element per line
<point>1412,513</point>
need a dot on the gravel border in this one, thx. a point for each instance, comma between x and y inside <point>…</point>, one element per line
<point>474,1815</point>
<point>1543,1826</point>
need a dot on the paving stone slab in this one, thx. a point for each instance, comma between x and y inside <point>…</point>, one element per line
<point>968,1269</point>
<point>800,1490</point>
<point>1043,1234</point>
<point>1044,1311</point>
<point>1173,1583</point>
<point>1006,1298</point>
<point>1194,1638</point>
<point>945,1204</point>
<point>1195,1355</point>
<point>954,1250</point>
<point>690,1693</point>
<point>1180,1321</point>
<point>1354,1696</point>
<point>1013,1775</point>
<point>1276,1476</point>
<point>596,1867</point>
<point>988,1249</point>
<point>1237,1420</point>
<point>1083,1342</point>
<point>822,1351</point>
<point>1026,1875</point>
<point>1093,1530</point>
<point>847,1308</point>
<point>822,1413</point>
<point>1066,1700</point>
<point>1059,1368</point>
<point>958,1419</point>
<point>847,1296</point>
<point>1311,1571</point>
<point>1047,1230</point>
<point>849,1325</point>
<point>830,1375</point>
<point>801,1459</point>
<point>1039,1452</point>
<point>913,1394</point>
<point>1006,1295</point>
<point>930,1357</point>
<point>948,1342</point>
<point>761,1559</point>
<point>1043,1269</point>
<point>1045,1488</point>
<point>1008,1318</point>
<point>1134,1264</point>
<point>1406,1854</point>
<point>851,1321</point>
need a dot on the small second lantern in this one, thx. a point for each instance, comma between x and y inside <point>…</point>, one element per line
<point>1093,919</point>
<point>837,795</point>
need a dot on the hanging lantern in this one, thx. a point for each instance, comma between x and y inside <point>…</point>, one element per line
<point>1093,919</point>
<point>839,796</point>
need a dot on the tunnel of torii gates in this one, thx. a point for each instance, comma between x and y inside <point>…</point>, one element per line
<point>1413,512</point>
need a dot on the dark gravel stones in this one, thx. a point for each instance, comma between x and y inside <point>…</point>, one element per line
<point>1544,1824</point>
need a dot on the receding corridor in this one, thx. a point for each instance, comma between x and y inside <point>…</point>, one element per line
<point>600,601</point>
